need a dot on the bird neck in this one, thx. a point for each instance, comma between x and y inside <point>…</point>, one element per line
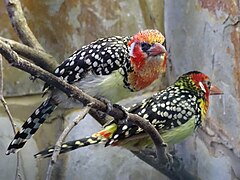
<point>203,104</point>
<point>202,98</point>
<point>188,84</point>
<point>143,75</point>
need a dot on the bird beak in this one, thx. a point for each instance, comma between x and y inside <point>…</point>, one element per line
<point>214,90</point>
<point>157,49</point>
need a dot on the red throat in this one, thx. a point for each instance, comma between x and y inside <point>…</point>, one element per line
<point>143,76</point>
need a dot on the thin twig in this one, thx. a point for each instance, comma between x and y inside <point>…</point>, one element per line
<point>62,137</point>
<point>20,25</point>
<point>38,57</point>
<point>8,113</point>
<point>18,175</point>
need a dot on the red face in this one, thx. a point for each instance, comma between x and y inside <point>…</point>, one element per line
<point>203,82</point>
<point>148,58</point>
<point>147,45</point>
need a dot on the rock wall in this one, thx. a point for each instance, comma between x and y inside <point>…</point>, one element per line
<point>62,26</point>
<point>205,35</point>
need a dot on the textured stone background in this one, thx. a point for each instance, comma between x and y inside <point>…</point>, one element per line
<point>201,35</point>
<point>205,35</point>
<point>62,27</point>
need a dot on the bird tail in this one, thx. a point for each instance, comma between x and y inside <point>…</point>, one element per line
<point>31,125</point>
<point>97,138</point>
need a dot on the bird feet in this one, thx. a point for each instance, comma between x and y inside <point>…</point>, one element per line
<point>124,120</point>
<point>110,107</point>
<point>108,104</point>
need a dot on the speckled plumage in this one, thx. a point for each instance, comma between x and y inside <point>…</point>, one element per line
<point>98,69</point>
<point>175,112</point>
<point>102,57</point>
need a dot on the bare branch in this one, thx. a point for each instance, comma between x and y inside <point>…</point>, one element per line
<point>62,137</point>
<point>177,171</point>
<point>18,175</point>
<point>40,58</point>
<point>20,25</point>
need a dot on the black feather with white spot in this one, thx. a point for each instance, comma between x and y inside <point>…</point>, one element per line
<point>69,146</point>
<point>31,125</point>
<point>167,109</point>
<point>101,57</point>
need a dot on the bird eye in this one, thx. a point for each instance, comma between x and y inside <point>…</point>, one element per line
<point>208,83</point>
<point>164,43</point>
<point>145,46</point>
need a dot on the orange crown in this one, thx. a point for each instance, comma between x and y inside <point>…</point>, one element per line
<point>150,36</point>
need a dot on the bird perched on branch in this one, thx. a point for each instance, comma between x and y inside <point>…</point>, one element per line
<point>175,112</point>
<point>102,68</point>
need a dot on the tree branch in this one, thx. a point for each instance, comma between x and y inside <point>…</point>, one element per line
<point>20,25</point>
<point>175,172</point>
<point>162,158</point>
<point>59,142</point>
<point>40,58</point>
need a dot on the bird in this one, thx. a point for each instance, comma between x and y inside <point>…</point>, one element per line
<point>176,112</point>
<point>112,67</point>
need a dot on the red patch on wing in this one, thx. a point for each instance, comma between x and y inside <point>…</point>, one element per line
<point>105,134</point>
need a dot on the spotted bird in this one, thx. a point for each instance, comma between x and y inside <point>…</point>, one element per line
<point>175,112</point>
<point>112,67</point>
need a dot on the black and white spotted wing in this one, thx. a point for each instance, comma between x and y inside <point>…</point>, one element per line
<point>165,110</point>
<point>101,57</point>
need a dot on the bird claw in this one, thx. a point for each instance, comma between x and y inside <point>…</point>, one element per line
<point>123,120</point>
<point>107,102</point>
<point>165,145</point>
<point>149,152</point>
<point>103,115</point>
<point>170,158</point>
<point>170,164</point>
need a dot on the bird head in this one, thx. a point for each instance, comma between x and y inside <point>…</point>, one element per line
<point>146,46</point>
<point>199,83</point>
<point>148,58</point>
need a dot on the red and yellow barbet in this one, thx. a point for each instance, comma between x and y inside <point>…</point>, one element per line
<point>112,67</point>
<point>175,112</point>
